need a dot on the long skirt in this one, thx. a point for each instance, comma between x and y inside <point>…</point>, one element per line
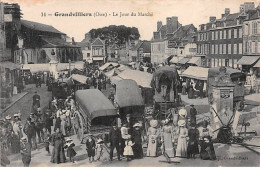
<point>193,148</point>
<point>58,155</point>
<point>181,150</point>
<point>138,151</point>
<point>63,127</point>
<point>207,151</point>
<point>152,146</point>
<point>168,145</point>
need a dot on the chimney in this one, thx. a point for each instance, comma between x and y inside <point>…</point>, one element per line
<point>248,6</point>
<point>172,24</point>
<point>242,8</point>
<point>212,18</point>
<point>159,24</point>
<point>227,11</point>
<point>156,35</point>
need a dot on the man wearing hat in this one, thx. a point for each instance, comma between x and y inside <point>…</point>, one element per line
<point>9,127</point>
<point>47,120</point>
<point>17,126</point>
<point>29,130</point>
<point>115,138</point>
<point>25,152</point>
<point>36,99</point>
<point>193,113</point>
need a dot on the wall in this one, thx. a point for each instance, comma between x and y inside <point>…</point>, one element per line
<point>158,52</point>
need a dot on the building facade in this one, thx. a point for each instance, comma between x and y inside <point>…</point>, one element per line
<point>220,42</point>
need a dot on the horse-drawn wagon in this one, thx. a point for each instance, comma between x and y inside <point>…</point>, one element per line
<point>165,83</point>
<point>94,113</point>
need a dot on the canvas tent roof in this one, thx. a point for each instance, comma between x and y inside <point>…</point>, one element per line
<point>195,60</point>
<point>176,59</point>
<point>128,93</point>
<point>199,73</point>
<point>257,64</point>
<point>115,79</point>
<point>80,78</point>
<point>103,67</point>
<point>184,60</point>
<point>95,103</point>
<point>37,67</point>
<point>248,60</point>
<point>142,78</point>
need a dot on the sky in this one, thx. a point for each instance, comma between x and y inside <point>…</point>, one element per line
<point>188,11</point>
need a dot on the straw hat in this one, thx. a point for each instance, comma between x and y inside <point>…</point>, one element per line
<point>137,125</point>
<point>166,121</point>
<point>38,109</point>
<point>181,123</point>
<point>68,139</point>
<point>8,117</point>
<point>16,115</point>
<point>99,141</point>
<point>23,139</point>
<point>183,112</point>
<point>153,123</point>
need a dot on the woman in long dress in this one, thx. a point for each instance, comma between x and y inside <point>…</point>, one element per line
<point>63,124</point>
<point>181,150</point>
<point>207,149</point>
<point>137,140</point>
<point>168,138</point>
<point>152,138</point>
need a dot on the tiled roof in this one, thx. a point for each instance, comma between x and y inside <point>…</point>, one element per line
<point>98,41</point>
<point>146,45</point>
<point>232,16</point>
<point>52,42</point>
<point>40,27</point>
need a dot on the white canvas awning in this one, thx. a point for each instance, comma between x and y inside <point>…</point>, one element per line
<point>110,73</point>
<point>248,60</point>
<point>195,60</point>
<point>103,67</point>
<point>141,78</point>
<point>115,79</point>
<point>176,59</point>
<point>97,58</point>
<point>80,78</point>
<point>199,73</point>
<point>257,64</point>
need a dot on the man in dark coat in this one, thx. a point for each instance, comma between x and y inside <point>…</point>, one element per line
<point>47,120</point>
<point>25,152</point>
<point>36,99</point>
<point>29,130</point>
<point>114,137</point>
<point>193,113</point>
<point>58,154</point>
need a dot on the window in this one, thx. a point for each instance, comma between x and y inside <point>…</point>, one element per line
<point>253,47</point>
<point>235,33</point>
<point>258,47</point>
<point>212,34</point>
<point>226,62</point>
<point>254,28</point>
<point>198,37</point>
<point>216,49</point>
<point>246,29</point>
<point>202,49</point>
<point>249,47</point>
<point>240,33</point>
<point>229,34</point>
<point>216,35</point>
<point>240,48</point>
<point>235,49</point>
<point>220,35</point>
<point>207,36</point>
<point>220,48</point>
<point>224,48</point>
<point>206,49</point>
<point>212,49</point>
<point>224,34</point>
<point>229,48</point>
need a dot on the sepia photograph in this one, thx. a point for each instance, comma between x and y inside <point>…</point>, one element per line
<point>130,83</point>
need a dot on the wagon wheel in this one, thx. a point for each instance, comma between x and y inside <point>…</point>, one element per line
<point>79,126</point>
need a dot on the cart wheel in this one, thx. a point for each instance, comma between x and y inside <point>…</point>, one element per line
<point>80,130</point>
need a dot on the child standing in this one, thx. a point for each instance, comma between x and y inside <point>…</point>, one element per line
<point>70,151</point>
<point>128,151</point>
<point>47,139</point>
<point>99,149</point>
<point>90,147</point>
